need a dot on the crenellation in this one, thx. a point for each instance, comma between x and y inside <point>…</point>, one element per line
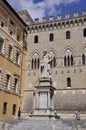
<point>43,19</point>
<point>84,12</point>
<point>57,24</point>
<point>36,20</point>
<point>59,17</point>
<point>67,16</point>
<point>51,18</point>
<point>76,14</point>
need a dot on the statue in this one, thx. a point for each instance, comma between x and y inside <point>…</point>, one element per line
<point>45,65</point>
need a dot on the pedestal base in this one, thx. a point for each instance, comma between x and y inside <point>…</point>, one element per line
<point>43,103</point>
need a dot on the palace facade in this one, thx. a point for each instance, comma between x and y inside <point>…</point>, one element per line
<point>12,60</point>
<point>65,42</point>
<point>22,43</point>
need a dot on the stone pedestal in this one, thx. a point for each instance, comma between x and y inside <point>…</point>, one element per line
<point>43,98</point>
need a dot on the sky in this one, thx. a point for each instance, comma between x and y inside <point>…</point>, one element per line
<point>46,8</point>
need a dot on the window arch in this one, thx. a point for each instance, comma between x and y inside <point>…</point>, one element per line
<point>36,39</point>
<point>84,32</point>
<point>53,61</point>
<point>68,82</point>
<point>35,62</point>
<point>68,35</point>
<point>84,57</point>
<point>68,58</point>
<point>51,38</point>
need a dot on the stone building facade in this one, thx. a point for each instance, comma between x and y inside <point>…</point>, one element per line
<point>12,60</point>
<point>65,42</point>
<point>20,55</point>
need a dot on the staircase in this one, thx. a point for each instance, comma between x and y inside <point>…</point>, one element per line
<point>49,124</point>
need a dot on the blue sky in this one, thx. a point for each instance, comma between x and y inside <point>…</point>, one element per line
<point>41,8</point>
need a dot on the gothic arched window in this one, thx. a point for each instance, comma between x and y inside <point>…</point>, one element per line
<point>35,62</point>
<point>53,59</point>
<point>84,57</point>
<point>68,58</point>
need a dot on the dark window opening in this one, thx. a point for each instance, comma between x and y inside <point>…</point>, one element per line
<point>38,63</point>
<point>54,62</point>
<point>14,109</point>
<point>10,51</point>
<point>36,39</point>
<point>17,57</point>
<point>68,61</point>
<point>4,107</point>
<point>51,37</point>
<point>68,82</point>
<point>2,24</point>
<point>15,84</point>
<point>72,60</point>
<point>35,63</point>
<point>1,44</point>
<point>11,33</point>
<point>32,64</point>
<point>68,35</point>
<point>11,22</point>
<point>7,80</point>
<point>65,61</point>
<point>83,59</point>
<point>85,32</point>
<point>18,37</point>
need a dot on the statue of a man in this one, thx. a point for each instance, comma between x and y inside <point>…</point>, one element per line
<point>45,65</point>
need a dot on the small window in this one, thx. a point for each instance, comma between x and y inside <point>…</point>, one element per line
<point>15,84</point>
<point>51,37</point>
<point>83,59</point>
<point>14,109</point>
<point>65,61</point>
<point>36,39</point>
<point>68,35</point>
<point>84,32</point>
<point>7,81</point>
<point>17,57</point>
<point>11,22</point>
<point>68,82</point>
<point>18,38</point>
<point>10,52</point>
<point>2,24</point>
<point>4,107</point>
<point>1,45</point>
<point>0,78</point>
<point>11,33</point>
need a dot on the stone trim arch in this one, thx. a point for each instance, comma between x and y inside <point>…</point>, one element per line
<point>35,60</point>
<point>70,48</point>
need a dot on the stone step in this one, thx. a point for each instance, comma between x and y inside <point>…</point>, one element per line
<point>49,124</point>
<point>41,125</point>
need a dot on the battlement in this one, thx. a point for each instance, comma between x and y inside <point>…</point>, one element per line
<point>59,22</point>
<point>59,17</point>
